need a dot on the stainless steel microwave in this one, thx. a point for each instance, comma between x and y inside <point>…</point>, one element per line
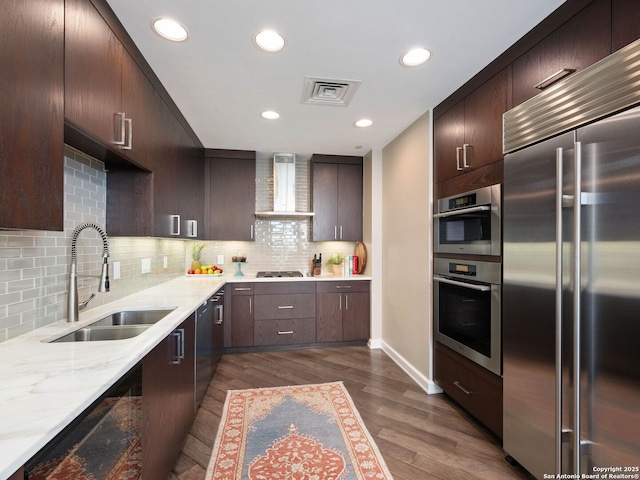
<point>469,223</point>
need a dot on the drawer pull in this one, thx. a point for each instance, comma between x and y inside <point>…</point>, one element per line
<point>285,306</point>
<point>343,286</point>
<point>457,384</point>
<point>554,77</point>
<point>242,289</point>
<point>288,332</point>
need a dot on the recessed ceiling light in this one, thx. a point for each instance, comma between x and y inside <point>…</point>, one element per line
<point>170,29</point>
<point>270,115</point>
<point>269,41</point>
<point>363,123</point>
<point>415,57</point>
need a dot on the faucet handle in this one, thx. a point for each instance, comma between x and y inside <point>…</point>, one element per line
<point>83,305</point>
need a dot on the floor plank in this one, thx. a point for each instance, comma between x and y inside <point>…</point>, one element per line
<point>420,436</point>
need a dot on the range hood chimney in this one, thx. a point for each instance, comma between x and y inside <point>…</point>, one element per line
<point>284,188</point>
<point>284,182</point>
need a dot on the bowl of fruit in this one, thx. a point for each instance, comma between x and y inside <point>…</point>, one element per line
<point>199,268</point>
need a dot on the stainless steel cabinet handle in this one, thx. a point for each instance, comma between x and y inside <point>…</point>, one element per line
<point>250,305</point>
<point>464,155</point>
<point>175,225</point>
<point>458,150</point>
<point>346,301</point>
<point>472,286</point>
<point>121,128</point>
<point>219,315</point>
<point>340,303</point>
<point>554,77</point>
<point>192,228</point>
<point>457,384</point>
<point>129,144</point>
<point>242,289</point>
<point>335,232</point>
<point>343,286</point>
<point>340,232</point>
<point>462,211</point>
<point>251,232</point>
<point>179,336</point>
<point>288,332</point>
<point>285,306</point>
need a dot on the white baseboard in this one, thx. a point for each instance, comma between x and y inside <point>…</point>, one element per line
<point>423,382</point>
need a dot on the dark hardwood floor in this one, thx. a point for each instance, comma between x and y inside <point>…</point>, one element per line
<point>420,436</point>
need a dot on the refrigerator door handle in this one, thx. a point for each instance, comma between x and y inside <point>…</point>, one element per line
<point>560,202</point>
<point>577,254</point>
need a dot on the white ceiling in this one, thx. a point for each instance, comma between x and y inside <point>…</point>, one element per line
<point>221,81</point>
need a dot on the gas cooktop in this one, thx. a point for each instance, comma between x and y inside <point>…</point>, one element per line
<point>289,273</point>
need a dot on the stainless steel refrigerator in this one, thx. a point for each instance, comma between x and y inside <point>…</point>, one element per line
<point>571,286</point>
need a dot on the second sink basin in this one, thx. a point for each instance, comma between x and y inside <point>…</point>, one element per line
<point>94,334</point>
<point>133,317</point>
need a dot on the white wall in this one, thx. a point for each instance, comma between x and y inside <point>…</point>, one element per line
<point>406,305</point>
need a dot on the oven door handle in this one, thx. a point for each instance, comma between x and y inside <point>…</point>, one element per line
<point>482,208</point>
<point>472,286</point>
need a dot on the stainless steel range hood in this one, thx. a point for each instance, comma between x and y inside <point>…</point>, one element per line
<point>284,188</point>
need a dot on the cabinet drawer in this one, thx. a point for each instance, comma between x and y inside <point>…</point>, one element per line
<point>272,307</point>
<point>278,288</point>
<point>343,286</point>
<point>475,389</point>
<point>241,288</point>
<point>284,332</point>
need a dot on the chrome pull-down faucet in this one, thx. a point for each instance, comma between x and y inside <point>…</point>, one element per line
<point>72,301</point>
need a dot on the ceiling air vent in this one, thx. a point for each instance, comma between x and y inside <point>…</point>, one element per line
<point>324,91</point>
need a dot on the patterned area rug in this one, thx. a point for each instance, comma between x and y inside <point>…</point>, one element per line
<point>304,432</point>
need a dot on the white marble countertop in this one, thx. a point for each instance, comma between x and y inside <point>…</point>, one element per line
<point>45,386</point>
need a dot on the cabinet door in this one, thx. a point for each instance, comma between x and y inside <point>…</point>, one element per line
<point>578,43</point>
<point>483,111</point>
<point>168,400</point>
<point>329,317</point>
<point>242,321</point>
<point>337,201</point>
<point>138,98</point>
<point>32,105</point>
<point>350,202</point>
<point>230,197</point>
<point>448,135</point>
<point>625,23</point>
<point>325,201</point>
<point>355,316</point>
<point>93,73</point>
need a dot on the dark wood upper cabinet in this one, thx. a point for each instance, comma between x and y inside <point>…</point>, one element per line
<point>625,21</point>
<point>230,194</point>
<point>577,44</point>
<point>32,105</point>
<point>93,72</point>
<point>337,197</point>
<point>107,96</point>
<point>469,135</point>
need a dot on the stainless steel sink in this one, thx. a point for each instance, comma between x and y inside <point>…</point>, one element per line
<point>133,317</point>
<point>95,334</point>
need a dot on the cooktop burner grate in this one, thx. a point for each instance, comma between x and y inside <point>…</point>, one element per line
<point>289,273</point>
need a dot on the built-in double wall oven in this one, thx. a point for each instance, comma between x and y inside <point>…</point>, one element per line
<point>468,286</point>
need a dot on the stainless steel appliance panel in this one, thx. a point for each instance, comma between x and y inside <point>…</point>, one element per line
<point>610,294</point>
<point>571,300</point>
<point>529,292</point>
<point>469,223</point>
<point>467,298</point>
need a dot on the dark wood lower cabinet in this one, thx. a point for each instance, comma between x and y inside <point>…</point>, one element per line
<point>240,315</point>
<point>343,311</point>
<point>474,388</point>
<point>168,399</point>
